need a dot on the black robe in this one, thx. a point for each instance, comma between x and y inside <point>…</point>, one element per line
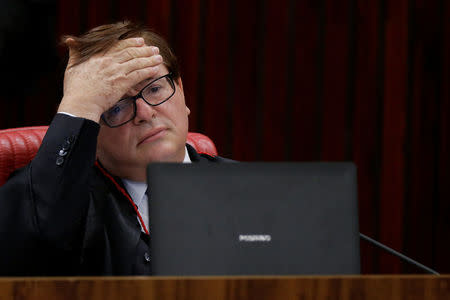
<point>63,214</point>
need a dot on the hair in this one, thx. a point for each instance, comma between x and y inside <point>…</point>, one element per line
<point>102,38</point>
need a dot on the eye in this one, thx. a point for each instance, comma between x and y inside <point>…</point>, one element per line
<point>115,110</point>
<point>154,89</point>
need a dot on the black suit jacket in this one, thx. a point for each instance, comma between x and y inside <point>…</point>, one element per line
<point>63,214</point>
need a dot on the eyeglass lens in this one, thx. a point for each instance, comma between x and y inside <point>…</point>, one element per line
<point>155,93</point>
<point>158,91</point>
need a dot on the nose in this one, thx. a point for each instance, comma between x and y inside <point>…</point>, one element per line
<point>144,112</point>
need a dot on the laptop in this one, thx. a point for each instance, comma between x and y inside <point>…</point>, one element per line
<point>253,219</point>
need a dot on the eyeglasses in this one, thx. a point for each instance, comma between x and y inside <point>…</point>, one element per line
<point>155,93</point>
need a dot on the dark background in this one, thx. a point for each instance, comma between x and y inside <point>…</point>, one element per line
<point>286,80</point>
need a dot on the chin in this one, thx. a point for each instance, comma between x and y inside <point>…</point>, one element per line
<point>164,153</point>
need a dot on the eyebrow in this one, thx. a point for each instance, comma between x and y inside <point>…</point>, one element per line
<point>141,84</point>
<point>144,82</point>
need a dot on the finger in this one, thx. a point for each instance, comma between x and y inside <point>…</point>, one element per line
<point>131,42</point>
<point>141,63</point>
<point>140,75</point>
<point>136,52</point>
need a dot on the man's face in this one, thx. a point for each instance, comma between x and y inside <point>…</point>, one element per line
<point>157,133</point>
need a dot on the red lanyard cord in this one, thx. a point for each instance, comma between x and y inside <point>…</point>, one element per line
<point>124,192</point>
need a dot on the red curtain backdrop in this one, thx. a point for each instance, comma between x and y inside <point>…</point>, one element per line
<point>301,80</point>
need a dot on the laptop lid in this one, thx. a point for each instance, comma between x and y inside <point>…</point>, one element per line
<point>253,219</point>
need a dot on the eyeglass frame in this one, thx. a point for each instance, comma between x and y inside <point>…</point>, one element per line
<point>140,95</point>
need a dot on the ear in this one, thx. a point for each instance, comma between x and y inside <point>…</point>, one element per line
<point>70,42</point>
<point>179,82</point>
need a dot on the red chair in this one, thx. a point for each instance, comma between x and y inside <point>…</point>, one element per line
<point>18,146</point>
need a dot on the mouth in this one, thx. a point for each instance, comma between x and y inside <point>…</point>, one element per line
<point>153,135</point>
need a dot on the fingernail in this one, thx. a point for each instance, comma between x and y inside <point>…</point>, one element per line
<point>155,50</point>
<point>140,40</point>
<point>158,59</point>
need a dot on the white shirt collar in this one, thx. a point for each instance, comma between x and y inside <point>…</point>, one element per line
<point>187,159</point>
<point>137,189</point>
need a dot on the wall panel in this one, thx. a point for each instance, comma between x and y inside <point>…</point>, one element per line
<point>394,124</point>
<point>157,15</point>
<point>441,225</point>
<point>421,172</point>
<point>335,76</point>
<point>186,43</point>
<point>304,113</point>
<point>98,13</point>
<point>274,74</point>
<point>366,142</point>
<point>216,72</point>
<point>246,96</point>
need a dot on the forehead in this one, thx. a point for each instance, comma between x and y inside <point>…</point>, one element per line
<point>162,70</point>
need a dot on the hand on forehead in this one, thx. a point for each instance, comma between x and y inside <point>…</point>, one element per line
<point>132,48</point>
<point>93,86</point>
<point>130,42</point>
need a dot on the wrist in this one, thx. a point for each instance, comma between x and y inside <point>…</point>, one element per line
<point>79,109</point>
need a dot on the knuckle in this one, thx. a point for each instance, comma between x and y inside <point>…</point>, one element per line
<point>148,51</point>
<point>142,52</point>
<point>134,77</point>
<point>117,78</point>
<point>138,73</point>
<point>107,60</point>
<point>142,62</point>
<point>102,62</point>
<point>128,52</point>
<point>136,64</point>
<point>150,71</point>
<point>130,41</point>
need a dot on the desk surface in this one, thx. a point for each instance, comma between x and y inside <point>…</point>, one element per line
<point>241,287</point>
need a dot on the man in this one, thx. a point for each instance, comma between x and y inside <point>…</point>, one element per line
<point>79,208</point>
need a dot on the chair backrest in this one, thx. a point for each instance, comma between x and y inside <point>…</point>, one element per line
<point>18,146</point>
